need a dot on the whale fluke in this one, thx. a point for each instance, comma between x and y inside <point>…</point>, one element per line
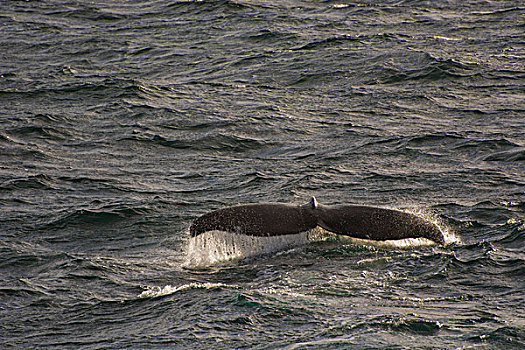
<point>275,219</point>
<point>376,223</point>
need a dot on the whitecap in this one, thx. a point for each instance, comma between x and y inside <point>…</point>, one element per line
<point>157,291</point>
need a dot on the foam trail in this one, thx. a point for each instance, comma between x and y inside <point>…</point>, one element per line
<point>155,291</point>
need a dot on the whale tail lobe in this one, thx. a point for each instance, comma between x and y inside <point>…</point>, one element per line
<point>377,223</point>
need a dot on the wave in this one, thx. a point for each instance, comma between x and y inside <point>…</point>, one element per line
<point>471,262</point>
<point>328,42</point>
<point>386,330</point>
<point>220,142</point>
<point>101,216</point>
<point>437,70</point>
<point>50,182</point>
<point>516,155</point>
<point>197,7</point>
<point>40,181</point>
<point>267,36</point>
<point>514,237</point>
<point>403,67</point>
<point>41,132</point>
<point>506,337</point>
<point>487,144</point>
<point>401,324</point>
<point>85,12</point>
<point>95,86</point>
<point>478,149</point>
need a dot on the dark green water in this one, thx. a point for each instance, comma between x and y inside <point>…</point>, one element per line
<point>122,121</point>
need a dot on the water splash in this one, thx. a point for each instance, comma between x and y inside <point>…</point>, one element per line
<point>448,235</point>
<point>215,247</point>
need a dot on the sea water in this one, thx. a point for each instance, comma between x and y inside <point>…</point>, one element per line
<point>123,121</point>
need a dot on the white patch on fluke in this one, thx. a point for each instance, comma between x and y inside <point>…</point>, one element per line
<point>394,243</point>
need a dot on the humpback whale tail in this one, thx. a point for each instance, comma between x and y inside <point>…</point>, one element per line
<point>276,219</point>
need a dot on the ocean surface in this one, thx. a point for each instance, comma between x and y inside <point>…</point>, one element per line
<point>123,121</point>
